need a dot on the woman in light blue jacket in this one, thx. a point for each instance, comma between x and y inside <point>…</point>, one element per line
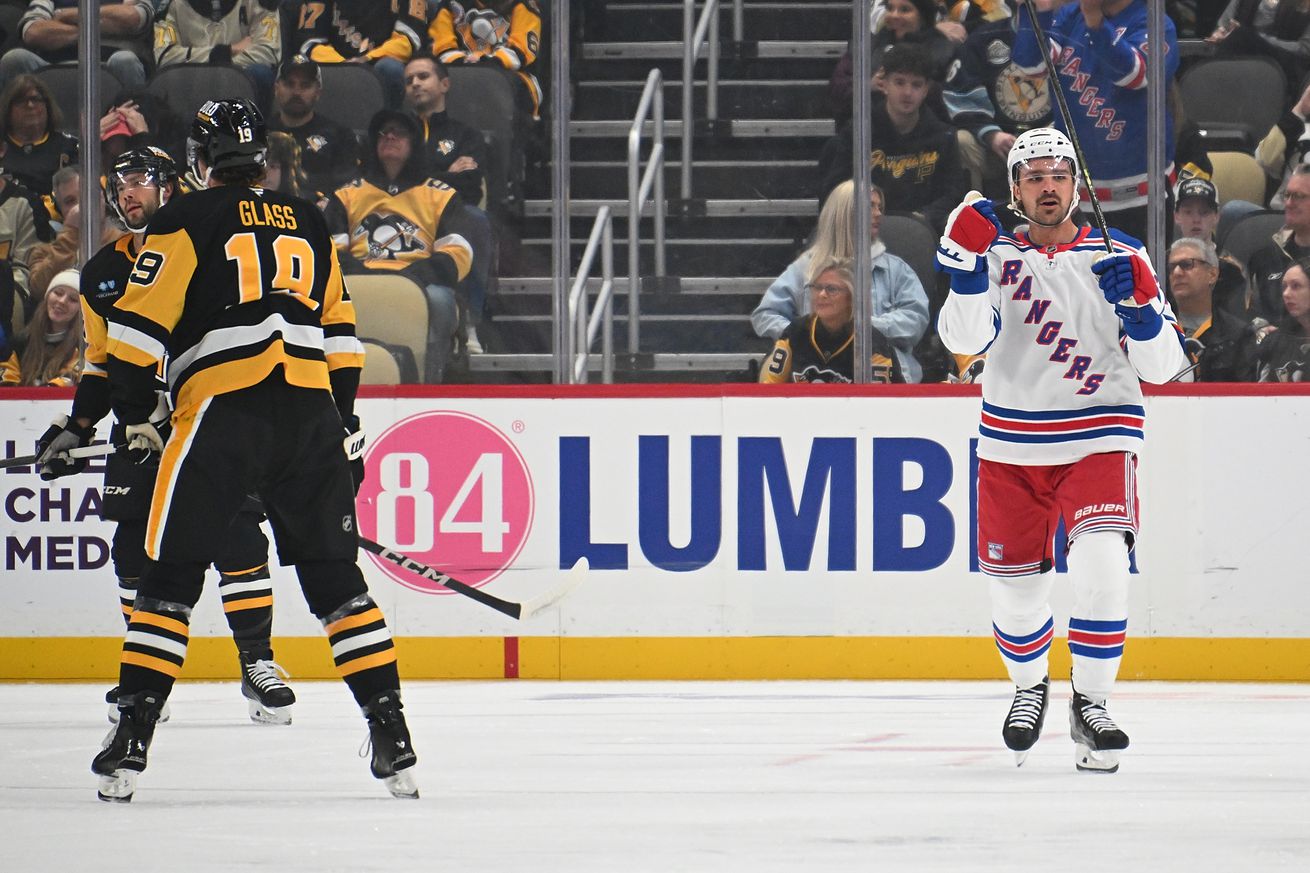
<point>900,307</point>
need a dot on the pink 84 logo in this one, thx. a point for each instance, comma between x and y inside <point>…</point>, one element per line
<point>449,490</point>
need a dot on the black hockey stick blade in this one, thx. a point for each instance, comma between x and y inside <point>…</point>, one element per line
<point>99,451</point>
<point>511,608</point>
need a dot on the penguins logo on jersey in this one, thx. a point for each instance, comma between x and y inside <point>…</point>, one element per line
<point>389,236</point>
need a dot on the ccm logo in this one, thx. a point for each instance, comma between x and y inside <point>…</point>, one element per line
<point>1098,508</point>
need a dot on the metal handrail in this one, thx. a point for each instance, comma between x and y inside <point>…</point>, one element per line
<point>583,329</point>
<point>652,179</point>
<point>691,43</point>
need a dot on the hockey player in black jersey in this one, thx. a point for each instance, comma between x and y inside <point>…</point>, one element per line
<point>240,289</point>
<point>136,186</point>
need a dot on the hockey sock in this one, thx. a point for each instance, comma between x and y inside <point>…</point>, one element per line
<point>362,648</point>
<point>1098,623</point>
<point>248,606</point>
<point>1022,625</point>
<point>155,647</point>
<point>126,596</point>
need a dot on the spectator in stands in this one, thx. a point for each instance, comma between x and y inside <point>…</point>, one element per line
<point>1284,351</point>
<point>50,258</point>
<point>1286,145</point>
<point>1196,215</point>
<point>913,155</point>
<point>385,35</point>
<point>899,306</point>
<point>49,351</point>
<point>1275,28</point>
<point>820,346</point>
<point>239,33</point>
<point>988,97</point>
<point>396,220</point>
<point>455,151</point>
<point>1220,345</point>
<point>24,222</point>
<point>34,145</point>
<point>1287,246</point>
<point>1106,70</point>
<point>902,22</point>
<point>137,119</point>
<point>503,33</point>
<point>49,29</point>
<point>282,169</point>
<point>329,152</point>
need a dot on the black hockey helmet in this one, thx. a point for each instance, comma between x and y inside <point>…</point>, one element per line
<point>151,162</point>
<point>227,135</point>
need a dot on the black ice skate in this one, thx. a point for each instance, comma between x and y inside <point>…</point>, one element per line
<point>1097,738</point>
<point>123,755</point>
<point>1024,723</point>
<point>393,754</point>
<point>111,697</point>
<point>269,698</point>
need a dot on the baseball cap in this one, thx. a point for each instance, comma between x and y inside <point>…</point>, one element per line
<point>1195,187</point>
<point>301,63</point>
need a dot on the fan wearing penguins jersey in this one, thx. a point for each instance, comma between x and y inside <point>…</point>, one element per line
<point>1072,323</point>
<point>136,186</point>
<point>240,290</point>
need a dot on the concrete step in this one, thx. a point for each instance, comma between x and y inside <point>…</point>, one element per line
<point>714,179</point>
<point>758,256</point>
<point>737,98</point>
<point>790,59</point>
<point>812,20</point>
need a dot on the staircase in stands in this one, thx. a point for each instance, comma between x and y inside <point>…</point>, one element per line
<point>753,179</point>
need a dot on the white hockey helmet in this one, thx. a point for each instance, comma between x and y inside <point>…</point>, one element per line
<point>1041,142</point>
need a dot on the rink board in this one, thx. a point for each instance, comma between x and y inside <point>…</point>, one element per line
<point>733,532</point>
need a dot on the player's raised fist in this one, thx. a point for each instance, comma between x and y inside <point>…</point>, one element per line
<point>973,225</point>
<point>1124,275</point>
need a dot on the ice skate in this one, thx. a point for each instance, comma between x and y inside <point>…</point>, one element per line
<point>111,698</point>
<point>268,697</point>
<point>393,753</point>
<point>123,755</point>
<point>1098,740</point>
<point>1024,723</point>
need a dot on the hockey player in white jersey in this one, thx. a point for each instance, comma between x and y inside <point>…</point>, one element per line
<point>1070,326</point>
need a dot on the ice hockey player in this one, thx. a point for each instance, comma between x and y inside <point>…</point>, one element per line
<point>1069,329</point>
<point>240,289</point>
<point>138,183</point>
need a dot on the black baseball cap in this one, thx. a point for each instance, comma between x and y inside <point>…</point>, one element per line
<point>1196,187</point>
<point>301,63</point>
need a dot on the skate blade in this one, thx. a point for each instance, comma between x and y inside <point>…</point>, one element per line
<point>261,714</point>
<point>1020,757</point>
<point>164,713</point>
<point>117,787</point>
<point>402,785</point>
<point>1088,760</point>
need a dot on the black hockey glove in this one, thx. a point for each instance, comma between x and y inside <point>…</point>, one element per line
<point>354,446</point>
<point>51,448</point>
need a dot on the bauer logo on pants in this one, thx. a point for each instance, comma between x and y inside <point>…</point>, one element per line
<point>450,490</point>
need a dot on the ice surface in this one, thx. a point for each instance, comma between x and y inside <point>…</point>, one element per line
<point>664,776</point>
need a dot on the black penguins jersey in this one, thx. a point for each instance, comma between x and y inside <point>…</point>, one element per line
<point>231,285</point>
<point>104,279</point>
<point>808,352</point>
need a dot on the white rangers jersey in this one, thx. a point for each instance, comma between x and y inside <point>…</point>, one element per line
<point>1061,380</point>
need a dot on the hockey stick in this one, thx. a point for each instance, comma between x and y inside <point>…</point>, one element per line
<point>99,451</point>
<point>1044,46</point>
<point>520,611</point>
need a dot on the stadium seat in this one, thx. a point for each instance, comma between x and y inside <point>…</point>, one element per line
<point>380,366</point>
<point>1238,176</point>
<point>914,241</point>
<point>64,82</point>
<point>1250,234</point>
<point>1234,101</point>
<point>186,87</point>
<point>392,311</point>
<point>483,97</point>
<point>352,93</point>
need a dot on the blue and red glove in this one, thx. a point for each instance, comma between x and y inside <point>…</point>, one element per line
<point>971,228</point>
<point>1130,286</point>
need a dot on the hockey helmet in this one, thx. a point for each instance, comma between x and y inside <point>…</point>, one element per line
<point>151,162</point>
<point>227,135</point>
<point>1041,142</point>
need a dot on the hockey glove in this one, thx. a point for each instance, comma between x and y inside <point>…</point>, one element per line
<point>63,434</point>
<point>354,446</point>
<point>142,439</point>
<point>1128,283</point>
<point>970,231</point>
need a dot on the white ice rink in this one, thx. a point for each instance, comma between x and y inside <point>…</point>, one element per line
<point>710,776</point>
